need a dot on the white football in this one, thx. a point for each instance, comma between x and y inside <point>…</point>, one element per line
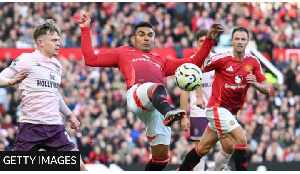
<point>188,77</point>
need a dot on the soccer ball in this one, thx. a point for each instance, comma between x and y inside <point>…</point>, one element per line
<point>188,77</point>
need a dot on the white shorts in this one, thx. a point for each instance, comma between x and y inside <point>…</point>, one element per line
<point>139,103</point>
<point>221,120</point>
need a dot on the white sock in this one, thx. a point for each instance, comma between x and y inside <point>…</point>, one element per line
<point>201,165</point>
<point>222,159</point>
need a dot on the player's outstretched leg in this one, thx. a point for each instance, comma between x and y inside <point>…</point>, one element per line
<point>158,95</point>
<point>240,156</point>
<point>192,158</point>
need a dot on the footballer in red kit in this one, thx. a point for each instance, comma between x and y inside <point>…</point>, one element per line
<point>234,72</point>
<point>144,76</point>
<point>230,85</point>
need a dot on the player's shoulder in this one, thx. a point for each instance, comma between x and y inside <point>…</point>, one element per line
<point>26,55</point>
<point>24,58</point>
<point>124,48</point>
<point>251,57</point>
<point>56,62</point>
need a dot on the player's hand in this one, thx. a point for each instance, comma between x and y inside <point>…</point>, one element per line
<point>74,123</point>
<point>85,20</point>
<point>251,78</point>
<point>200,103</point>
<point>214,30</point>
<point>185,124</point>
<point>18,78</point>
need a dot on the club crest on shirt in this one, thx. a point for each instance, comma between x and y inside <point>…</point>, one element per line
<point>231,122</point>
<point>52,77</point>
<point>248,68</point>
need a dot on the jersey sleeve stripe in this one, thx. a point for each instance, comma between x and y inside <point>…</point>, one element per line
<point>13,69</point>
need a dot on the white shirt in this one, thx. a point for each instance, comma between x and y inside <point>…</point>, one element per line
<point>207,79</point>
<point>41,101</point>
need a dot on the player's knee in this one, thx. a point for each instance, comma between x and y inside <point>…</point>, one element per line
<point>197,142</point>
<point>203,149</point>
<point>159,87</point>
<point>228,148</point>
<point>242,140</point>
<point>241,143</point>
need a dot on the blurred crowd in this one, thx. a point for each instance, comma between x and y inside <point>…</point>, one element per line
<point>109,132</point>
<point>272,24</point>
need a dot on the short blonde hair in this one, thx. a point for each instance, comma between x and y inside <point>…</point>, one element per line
<point>46,28</point>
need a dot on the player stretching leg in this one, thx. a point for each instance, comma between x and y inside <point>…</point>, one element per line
<point>40,125</point>
<point>146,95</point>
<point>234,72</point>
<point>198,121</point>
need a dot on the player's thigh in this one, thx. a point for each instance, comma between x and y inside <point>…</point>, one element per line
<point>137,98</point>
<point>227,145</point>
<point>29,137</point>
<point>60,140</point>
<point>208,140</point>
<point>237,136</point>
<point>198,126</point>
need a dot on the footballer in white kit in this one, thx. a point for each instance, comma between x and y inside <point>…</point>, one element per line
<point>198,118</point>
<point>40,124</point>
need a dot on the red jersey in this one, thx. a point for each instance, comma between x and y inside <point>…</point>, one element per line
<point>135,65</point>
<point>229,86</point>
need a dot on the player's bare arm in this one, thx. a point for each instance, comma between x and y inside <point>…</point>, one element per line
<point>200,102</point>
<point>262,87</point>
<point>185,122</point>
<point>74,123</point>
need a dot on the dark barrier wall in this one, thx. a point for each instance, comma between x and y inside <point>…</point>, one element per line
<point>274,166</point>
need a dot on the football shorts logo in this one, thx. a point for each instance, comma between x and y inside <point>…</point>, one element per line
<point>231,122</point>
<point>238,79</point>
<point>248,68</point>
<point>196,131</point>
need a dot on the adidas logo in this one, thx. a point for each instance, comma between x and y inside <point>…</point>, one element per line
<point>229,68</point>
